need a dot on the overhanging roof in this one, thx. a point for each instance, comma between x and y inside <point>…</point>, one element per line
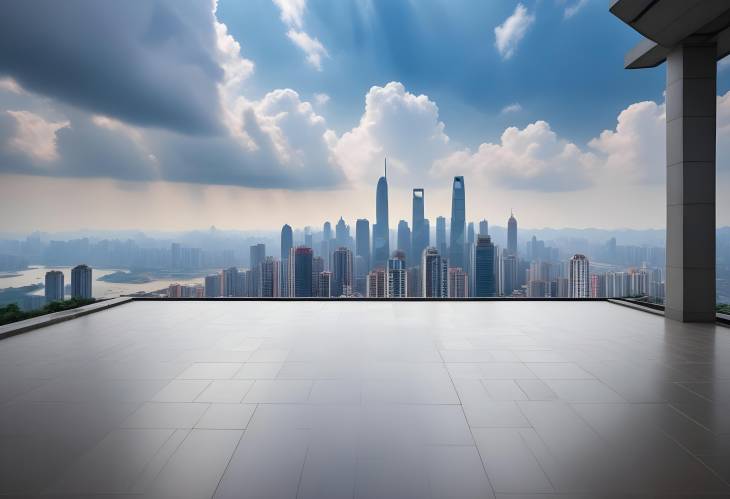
<point>665,23</point>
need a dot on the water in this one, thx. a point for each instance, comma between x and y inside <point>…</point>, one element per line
<point>100,289</point>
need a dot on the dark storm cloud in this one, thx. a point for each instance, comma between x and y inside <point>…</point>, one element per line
<point>148,63</point>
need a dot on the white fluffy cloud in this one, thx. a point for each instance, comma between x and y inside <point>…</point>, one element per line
<point>573,8</point>
<point>532,158</point>
<point>509,34</point>
<point>292,11</point>
<point>35,136</point>
<point>398,124</point>
<point>511,108</point>
<point>312,47</point>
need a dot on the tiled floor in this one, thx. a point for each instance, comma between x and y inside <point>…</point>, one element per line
<point>366,400</point>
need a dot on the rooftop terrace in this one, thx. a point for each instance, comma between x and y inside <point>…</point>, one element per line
<point>366,399</point>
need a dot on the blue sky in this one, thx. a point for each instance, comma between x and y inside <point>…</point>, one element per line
<point>184,114</point>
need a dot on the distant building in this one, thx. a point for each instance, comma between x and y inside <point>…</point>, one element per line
<point>510,280</point>
<point>512,235</point>
<point>362,248</point>
<point>381,230</point>
<point>55,288</point>
<point>458,283</point>
<point>302,272</point>
<point>458,223</point>
<point>579,272</point>
<point>434,275</point>
<point>324,286</point>
<point>419,228</point>
<point>414,281</point>
<point>81,282</point>
<point>377,282</point>
<point>317,269</point>
<point>229,279</point>
<point>404,237</point>
<point>270,273</point>
<point>342,272</point>
<point>342,233</point>
<point>484,278</point>
<point>483,228</point>
<point>287,241</point>
<point>212,286</point>
<point>441,245</point>
<point>396,284</point>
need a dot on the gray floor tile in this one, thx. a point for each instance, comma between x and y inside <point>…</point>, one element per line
<point>166,415</point>
<point>226,417</point>
<point>225,390</point>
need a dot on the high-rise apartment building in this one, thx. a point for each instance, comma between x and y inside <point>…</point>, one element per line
<point>342,272</point>
<point>324,286</point>
<point>484,277</point>
<point>434,274</point>
<point>377,279</point>
<point>396,285</point>
<point>229,280</point>
<point>458,283</point>
<point>55,288</point>
<point>458,223</point>
<point>579,277</point>
<point>270,273</point>
<point>212,286</point>
<point>81,282</point>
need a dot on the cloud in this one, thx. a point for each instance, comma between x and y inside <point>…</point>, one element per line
<point>153,64</point>
<point>312,47</point>
<point>511,108</point>
<point>532,158</point>
<point>574,8</point>
<point>398,124</point>
<point>321,99</point>
<point>10,85</point>
<point>292,11</point>
<point>35,136</point>
<point>509,34</point>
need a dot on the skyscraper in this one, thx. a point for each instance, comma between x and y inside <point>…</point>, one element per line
<point>470,236</point>
<point>342,233</point>
<point>324,287</point>
<point>396,284</point>
<point>361,261</point>
<point>377,279</point>
<point>270,273</point>
<point>342,272</point>
<point>327,245</point>
<point>212,286</point>
<point>257,254</point>
<point>484,279</point>
<point>441,235</point>
<point>404,237</point>
<point>287,241</point>
<point>302,272</point>
<point>509,269</point>
<point>55,290</point>
<point>317,269</point>
<point>434,272</point>
<point>81,281</point>
<point>229,278</point>
<point>512,235</point>
<point>579,280</point>
<point>483,228</point>
<point>381,230</point>
<point>458,223</point>
<point>419,239</point>
<point>458,285</point>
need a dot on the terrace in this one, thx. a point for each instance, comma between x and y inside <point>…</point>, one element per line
<point>366,399</point>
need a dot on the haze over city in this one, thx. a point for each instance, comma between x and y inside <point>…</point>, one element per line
<point>249,115</point>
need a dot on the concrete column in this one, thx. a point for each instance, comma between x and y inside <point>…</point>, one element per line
<point>691,128</point>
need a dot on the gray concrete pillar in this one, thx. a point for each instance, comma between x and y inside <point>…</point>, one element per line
<point>691,129</point>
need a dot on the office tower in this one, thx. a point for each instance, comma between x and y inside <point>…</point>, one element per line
<point>377,280</point>
<point>257,254</point>
<point>175,260</point>
<point>342,233</point>
<point>470,236</point>
<point>342,272</point>
<point>242,283</point>
<point>326,244</point>
<point>229,277</point>
<point>483,227</point>
<point>55,290</point>
<point>458,223</point>
<point>441,235</point>
<point>81,281</point>
<point>362,241</point>
<point>327,231</point>
<point>414,282</point>
<point>484,278</point>
<point>324,285</point>
<point>270,273</point>
<point>396,284</point>
<point>512,235</point>
<point>302,272</point>
<point>579,285</point>
<point>317,269</point>
<point>419,233</point>
<point>509,269</point>
<point>469,256</point>
<point>434,274</point>
<point>359,276</point>
<point>212,286</point>
<point>287,241</point>
<point>458,283</point>
<point>308,239</point>
<point>404,237</point>
<point>381,230</point>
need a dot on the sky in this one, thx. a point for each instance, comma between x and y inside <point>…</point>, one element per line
<point>176,115</point>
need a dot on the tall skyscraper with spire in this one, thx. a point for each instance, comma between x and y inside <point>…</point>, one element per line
<point>381,230</point>
<point>420,227</point>
<point>458,223</point>
<point>512,234</point>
